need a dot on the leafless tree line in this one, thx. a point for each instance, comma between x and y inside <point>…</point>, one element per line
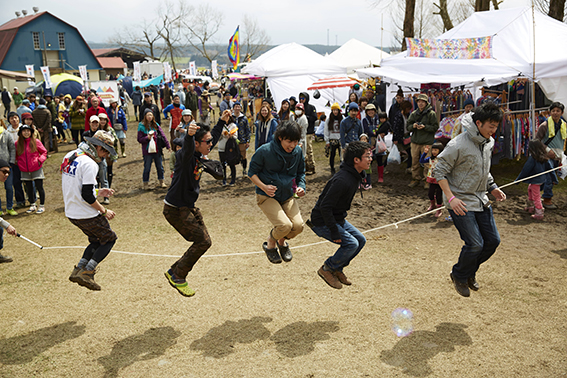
<point>178,25</point>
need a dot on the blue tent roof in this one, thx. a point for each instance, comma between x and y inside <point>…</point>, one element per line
<point>154,81</point>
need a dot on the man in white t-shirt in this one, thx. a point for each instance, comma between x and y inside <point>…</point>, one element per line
<point>79,179</point>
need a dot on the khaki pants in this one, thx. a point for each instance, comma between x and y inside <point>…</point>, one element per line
<point>285,217</point>
<point>309,161</point>
<point>416,170</point>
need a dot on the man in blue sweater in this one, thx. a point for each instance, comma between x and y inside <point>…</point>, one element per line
<point>328,216</point>
<point>179,208</point>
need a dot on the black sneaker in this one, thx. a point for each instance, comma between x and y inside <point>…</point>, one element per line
<point>5,259</point>
<point>272,254</point>
<point>473,285</point>
<point>461,287</point>
<point>285,252</point>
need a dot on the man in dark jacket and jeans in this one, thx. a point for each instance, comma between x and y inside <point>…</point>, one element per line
<point>328,216</point>
<point>311,114</point>
<point>179,208</point>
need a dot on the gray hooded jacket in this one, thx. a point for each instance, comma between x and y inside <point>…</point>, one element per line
<point>465,164</point>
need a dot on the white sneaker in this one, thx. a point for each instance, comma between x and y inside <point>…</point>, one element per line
<point>32,209</point>
<point>40,210</point>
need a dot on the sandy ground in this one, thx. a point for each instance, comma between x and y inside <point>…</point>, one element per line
<point>250,318</point>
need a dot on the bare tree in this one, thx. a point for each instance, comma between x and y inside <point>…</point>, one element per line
<point>254,38</point>
<point>170,21</point>
<point>481,5</point>
<point>444,13</point>
<point>142,39</point>
<point>557,9</point>
<point>409,19</point>
<point>203,25</point>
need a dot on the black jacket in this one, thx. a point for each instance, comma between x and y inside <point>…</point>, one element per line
<point>184,189</point>
<point>335,200</point>
<point>154,109</point>
<point>310,113</point>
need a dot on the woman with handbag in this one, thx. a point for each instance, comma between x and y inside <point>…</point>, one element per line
<point>150,135</point>
<point>118,120</point>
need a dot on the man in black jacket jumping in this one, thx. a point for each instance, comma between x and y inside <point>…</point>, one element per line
<point>328,216</point>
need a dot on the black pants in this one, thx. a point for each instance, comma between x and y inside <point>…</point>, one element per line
<point>435,192</point>
<point>222,156</point>
<point>30,192</point>
<point>333,152</point>
<point>137,112</point>
<point>77,136</point>
<point>189,223</point>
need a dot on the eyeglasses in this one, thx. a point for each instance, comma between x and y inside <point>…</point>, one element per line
<point>5,171</point>
<point>208,141</point>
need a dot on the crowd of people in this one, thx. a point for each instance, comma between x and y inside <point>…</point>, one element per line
<point>452,170</point>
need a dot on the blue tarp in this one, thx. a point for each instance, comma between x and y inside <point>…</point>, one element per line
<point>154,81</point>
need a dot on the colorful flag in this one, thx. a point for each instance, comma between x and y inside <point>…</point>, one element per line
<point>234,49</point>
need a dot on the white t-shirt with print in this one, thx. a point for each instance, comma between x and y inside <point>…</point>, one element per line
<point>82,171</point>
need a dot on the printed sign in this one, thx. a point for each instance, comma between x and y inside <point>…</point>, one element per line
<point>46,77</point>
<point>106,90</point>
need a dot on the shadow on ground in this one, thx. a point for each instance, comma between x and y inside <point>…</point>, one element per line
<point>220,341</point>
<point>561,252</point>
<point>299,338</point>
<point>149,345</point>
<point>22,349</point>
<point>412,352</point>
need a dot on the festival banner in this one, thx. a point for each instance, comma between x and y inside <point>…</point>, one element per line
<point>167,72</point>
<point>106,90</point>
<point>192,69</point>
<point>46,76</point>
<point>137,72</point>
<point>83,72</point>
<point>234,48</point>
<point>30,71</point>
<point>465,48</point>
<point>215,69</point>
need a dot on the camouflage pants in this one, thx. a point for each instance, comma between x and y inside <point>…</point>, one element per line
<point>189,223</point>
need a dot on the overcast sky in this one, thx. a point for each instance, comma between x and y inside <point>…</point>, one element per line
<point>301,21</point>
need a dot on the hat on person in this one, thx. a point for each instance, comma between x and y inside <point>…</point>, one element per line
<point>299,106</point>
<point>26,102</point>
<point>236,103</point>
<point>356,86</point>
<point>102,115</point>
<point>68,96</point>
<point>79,98</point>
<point>335,106</point>
<point>113,101</point>
<point>205,93</point>
<point>103,139</point>
<point>352,105</point>
<point>468,101</point>
<point>423,97</point>
<point>25,127</point>
<point>293,98</point>
<point>148,111</point>
<point>227,93</point>
<point>147,94</point>
<point>16,88</point>
<point>27,115</point>
<point>363,135</point>
<point>94,118</point>
<point>47,95</point>
<point>4,163</point>
<point>370,107</point>
<point>42,101</point>
<point>186,112</point>
<point>11,114</point>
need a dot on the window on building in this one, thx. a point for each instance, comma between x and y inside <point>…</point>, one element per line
<point>61,37</point>
<point>35,36</point>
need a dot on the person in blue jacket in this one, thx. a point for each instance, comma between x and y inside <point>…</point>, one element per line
<point>350,127</point>
<point>265,127</point>
<point>273,169</point>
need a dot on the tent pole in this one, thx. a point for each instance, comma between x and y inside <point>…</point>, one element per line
<point>533,104</point>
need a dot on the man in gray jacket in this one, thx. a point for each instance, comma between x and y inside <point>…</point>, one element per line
<point>463,172</point>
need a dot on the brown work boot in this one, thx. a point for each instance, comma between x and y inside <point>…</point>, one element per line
<point>5,259</point>
<point>341,276</point>
<point>86,278</point>
<point>330,278</point>
<point>73,276</point>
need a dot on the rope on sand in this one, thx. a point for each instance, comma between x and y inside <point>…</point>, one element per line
<point>395,224</point>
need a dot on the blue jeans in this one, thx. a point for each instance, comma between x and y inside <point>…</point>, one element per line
<point>352,242</point>
<point>478,230</point>
<point>548,185</point>
<point>148,159</point>
<point>17,183</point>
<point>102,177</point>
<point>9,192</point>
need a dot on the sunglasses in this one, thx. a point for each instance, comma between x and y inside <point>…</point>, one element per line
<point>5,171</point>
<point>208,141</point>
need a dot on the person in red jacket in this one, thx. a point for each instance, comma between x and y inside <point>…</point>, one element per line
<point>175,111</point>
<point>95,109</point>
<point>30,155</point>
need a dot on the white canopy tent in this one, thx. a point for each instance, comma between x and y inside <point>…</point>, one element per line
<point>355,54</point>
<point>523,44</point>
<point>291,68</point>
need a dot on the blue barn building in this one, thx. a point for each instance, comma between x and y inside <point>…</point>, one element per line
<point>42,39</point>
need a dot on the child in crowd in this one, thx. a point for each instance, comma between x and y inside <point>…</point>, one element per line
<point>435,192</point>
<point>30,155</point>
<point>538,162</point>
<point>175,146</point>
<point>366,183</point>
<point>273,168</point>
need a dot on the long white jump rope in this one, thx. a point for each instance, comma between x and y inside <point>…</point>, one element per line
<point>395,224</point>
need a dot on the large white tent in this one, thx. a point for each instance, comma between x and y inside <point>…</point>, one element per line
<point>524,43</point>
<point>355,54</point>
<point>291,68</point>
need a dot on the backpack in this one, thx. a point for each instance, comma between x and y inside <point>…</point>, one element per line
<point>232,151</point>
